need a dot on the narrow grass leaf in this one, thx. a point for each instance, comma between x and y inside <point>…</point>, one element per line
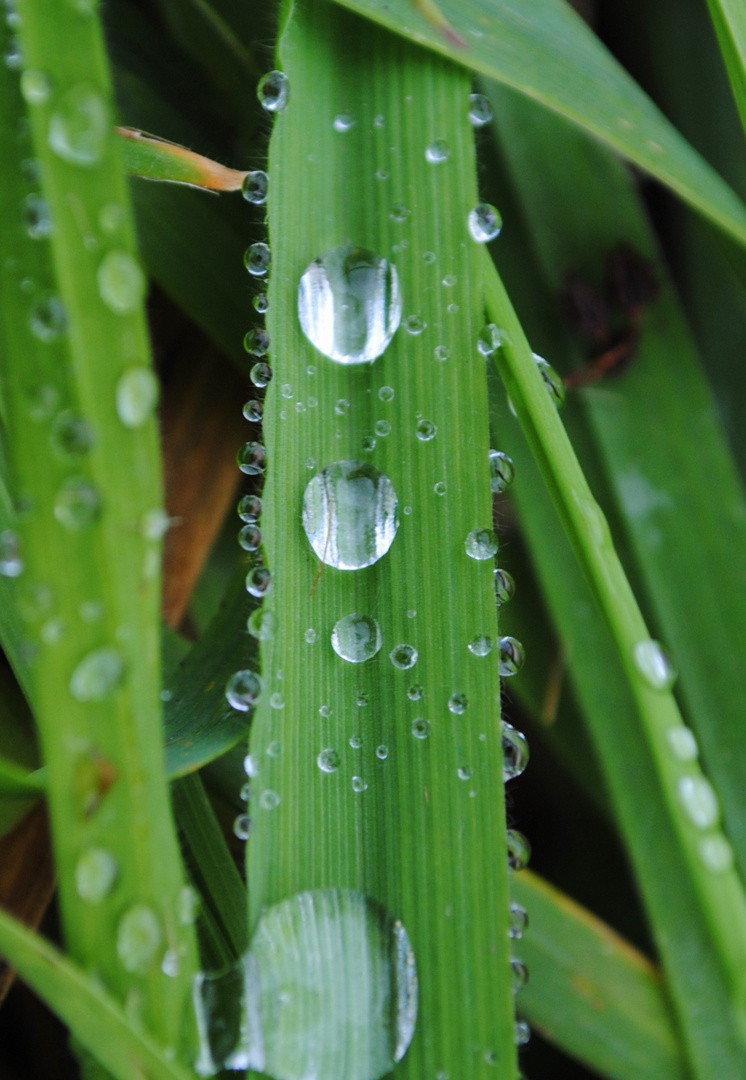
<point>152,158</point>
<point>729,20</point>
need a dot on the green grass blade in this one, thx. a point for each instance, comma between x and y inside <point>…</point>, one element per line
<point>591,992</point>
<point>549,54</point>
<point>92,1014</point>
<point>157,159</point>
<point>729,20</point>
<point>85,467</point>
<point>15,780</point>
<point>415,839</point>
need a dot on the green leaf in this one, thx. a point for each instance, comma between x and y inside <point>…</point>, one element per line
<point>729,20</point>
<point>157,159</point>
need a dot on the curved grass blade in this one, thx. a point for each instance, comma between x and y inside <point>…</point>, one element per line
<point>548,53</point>
<point>729,20</point>
<point>153,158</point>
<point>15,780</point>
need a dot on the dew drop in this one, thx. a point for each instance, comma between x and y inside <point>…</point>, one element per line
<point>425,430</point>
<point>121,283</point>
<point>261,375</point>
<point>273,91</point>
<point>274,749</point>
<point>403,657</point>
<point>242,690</point>
<point>458,704</point>
<point>250,538</point>
<point>48,318</point>
<point>95,874</point>
<point>358,784</point>
<point>253,411</point>
<point>36,87</point>
<point>464,772</point>
<point>349,515</point>
<point>519,849</point>
<point>287,391</point>
<point>250,508</point>
<point>171,963</point>
<point>655,665</point>
<point>489,340</point>
<point>368,444</point>
<point>79,126</point>
<point>481,544</point>
<point>310,636</point>
<point>242,826</point>
<point>440,487</point>
<point>77,504</point>
<point>11,563</point>
<point>277,701</point>
<point>716,854</point>
<point>512,656</point>
<point>699,801</point>
<point>504,587</point>
<point>97,675</point>
<point>37,220</point>
<point>262,624</point>
<point>245,792</point>
<point>257,259</point>
<point>71,435</point>
<point>382,752</point>
<point>356,638</point>
<point>414,325</point>
<point>485,223</point>
<point>269,799</point>
<point>502,471</point>
<point>518,975</point>
<point>683,743</point>
<point>250,766</point>
<point>386,393</point>
<point>437,152</point>
<point>252,458</point>
<point>382,428</point>
<point>328,761</point>
<point>415,693</point>
<point>138,938</point>
<point>342,407</point>
<point>481,645</point>
<point>480,110</point>
<point>553,382</point>
<point>254,187</point>
<point>515,751</point>
<point>256,342</point>
<point>442,352</point>
<point>522,1033</point>
<point>343,123</point>
<point>356,742</point>
<point>261,303</point>
<point>399,213</point>
<point>349,304</point>
<point>517,921</point>
<point>136,396</point>
<point>258,581</point>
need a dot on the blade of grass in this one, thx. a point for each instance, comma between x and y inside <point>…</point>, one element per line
<point>15,780</point>
<point>415,839</point>
<point>729,20</point>
<point>549,54</point>
<point>153,158</point>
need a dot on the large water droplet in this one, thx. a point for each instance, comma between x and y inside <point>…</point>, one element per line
<point>697,797</point>
<point>515,751</point>
<point>356,638</point>
<point>37,221</point>
<point>504,587</point>
<point>258,581</point>
<point>250,508</point>
<point>95,874</point>
<point>138,938</point>
<point>502,471</point>
<point>403,657</point>
<point>256,342</point>
<point>273,91</point>
<point>481,544</point>
<point>349,304</point>
<point>328,760</point>
<point>683,743</point>
<point>242,690</point>
<point>349,515</point>
<point>485,223</point>
<point>552,381</point>
<point>48,318</point>
<point>77,504</point>
<point>137,395</point>
<point>519,849</point>
<point>121,282</point>
<point>97,675</point>
<point>254,187</point>
<point>257,259</point>
<point>655,665</point>
<point>250,538</point>
<point>480,110</point>
<point>252,458</point>
<point>79,126</point>
<point>512,656</point>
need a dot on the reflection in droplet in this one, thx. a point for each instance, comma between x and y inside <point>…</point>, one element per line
<point>481,645</point>
<point>258,581</point>
<point>502,471</point>
<point>512,656</point>
<point>485,223</point>
<point>254,187</point>
<point>515,751</point>
<point>481,544</point>
<point>504,586</point>
<point>252,458</point>
<point>356,638</point>
<point>480,110</point>
<point>273,91</point>
<point>242,690</point>
<point>458,704</point>
<point>519,849</point>
<point>349,515</point>
<point>403,657</point>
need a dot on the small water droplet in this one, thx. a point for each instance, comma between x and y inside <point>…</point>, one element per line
<point>343,123</point>
<point>121,283</point>
<point>349,515</point>
<point>382,428</point>
<point>97,675</point>
<point>36,87</point>
<point>716,854</point>
<point>489,340</point>
<point>277,701</point>
<point>254,187</point>
<point>37,220</point>
<point>552,381</point>
<point>368,444</point>
<point>11,563</point>
<point>250,538</point>
<point>437,152</point>
<point>425,430</point>
<point>502,471</point>
<point>358,784</point>
<point>655,665</point>
<point>399,213</point>
<point>512,656</point>
<point>310,635</point>
<point>258,581</point>
<point>386,393</point>
<point>683,743</point>
<point>261,303</point>
<point>274,749</point>
<point>245,792</point>
<point>251,766</point>
<point>171,963</point>
<point>382,752</point>
<point>414,325</point>
<point>697,797</point>
<point>242,690</point>
<point>342,407</point>
<point>261,375</point>
<point>464,772</point>
<point>481,544</point>
<point>458,704</point>
<point>269,799</point>
<point>257,259</point>
<point>256,342</point>
<point>136,396</point>
<point>504,587</point>
<point>420,728</point>
<point>138,938</point>
<point>480,110</point>
<point>252,458</point>
<point>79,126</point>
<point>518,921</point>
<point>250,508</point>
<point>253,411</point>
<point>356,638</point>
<point>415,692</point>
<point>356,742</point>
<point>273,91</point>
<point>262,624</point>
<point>519,849</point>
<point>349,304</point>
<point>77,504</point>
<point>328,761</point>
<point>382,174</point>
<point>429,257</point>
<point>515,751</point>
<point>485,223</point>
<point>187,906</point>
<point>403,657</point>
<point>442,352</point>
<point>522,1033</point>
<point>287,391</point>
<point>95,874</point>
<point>48,318</point>
<point>71,435</point>
<point>242,826</point>
<point>440,487</point>
<point>481,645</point>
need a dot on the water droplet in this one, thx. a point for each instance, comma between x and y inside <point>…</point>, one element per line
<point>697,797</point>
<point>242,690</point>
<point>269,799</point>
<point>399,213</point>
<point>344,123</point>
<point>403,657</point>
<point>502,471</point>
<point>250,508</point>
<point>251,766</point>
<point>356,638</point>
<point>36,87</point>
<point>683,743</point>
<point>489,340</point>
<point>261,375</point>
<point>437,152</point>
<point>552,381</point>
<point>382,428</point>
<point>254,187</point>
<point>349,515</point>
<point>328,761</point>
<point>655,665</point>
<point>382,752</point>
<point>252,458</point>
<point>522,1033</point>
<point>356,742</point>
<point>277,701</point>
<point>242,826</point>
<point>342,407</point>
<point>349,304</point>
<point>79,126</point>
<point>13,55</point>
<point>515,751</point>
<point>171,963</point>
<point>154,524</point>
<point>250,538</point>
<point>440,487</point>
<point>258,581</point>
<point>97,675</point>
<point>273,91</point>
<point>458,704</point>
<point>512,656</point>
<point>481,544</point>
<point>187,906</point>
<point>716,854</point>
<point>261,303</point>
<point>504,587</point>
<point>452,309</point>
<point>464,772</point>
<point>415,692</point>
<point>48,318</point>
<point>287,391</point>
<point>245,792</point>
<point>420,728</point>
<point>256,342</point>
<point>121,282</point>
<point>257,259</point>
<point>95,874</point>
<point>429,257</point>
<point>137,395</point>
<point>480,110</point>
<point>274,749</point>
<point>519,849</point>
<point>518,921</point>
<point>442,352</point>
<point>414,325</point>
<point>11,563</point>
<point>358,784</point>
<point>77,504</point>
<point>37,220</point>
<point>368,444</point>
<point>425,430</point>
<point>71,435</point>
<point>386,393</point>
<point>382,174</point>
<point>138,938</point>
<point>310,635</point>
<point>253,411</point>
<point>262,624</point>
<point>485,223</point>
